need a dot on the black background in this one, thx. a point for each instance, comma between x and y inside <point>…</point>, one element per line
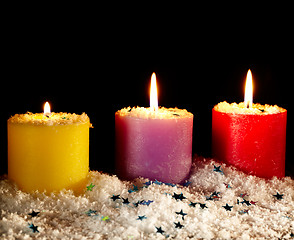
<point>98,65</point>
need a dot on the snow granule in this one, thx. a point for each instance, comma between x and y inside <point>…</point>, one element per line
<point>255,214</point>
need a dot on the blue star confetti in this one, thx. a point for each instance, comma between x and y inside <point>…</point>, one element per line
<point>138,202</point>
<point>243,195</point>
<point>187,183</point>
<point>135,189</point>
<point>141,218</point>
<point>146,202</point>
<point>33,227</point>
<point>178,225</point>
<point>179,196</point>
<point>227,207</point>
<point>218,169</point>
<point>33,214</point>
<point>213,196</point>
<point>115,197</point>
<point>148,183</point>
<point>126,201</point>
<point>246,202</point>
<point>278,196</point>
<point>182,213</point>
<point>244,211</point>
<point>203,205</point>
<point>91,212</point>
<point>157,182</point>
<point>159,230</point>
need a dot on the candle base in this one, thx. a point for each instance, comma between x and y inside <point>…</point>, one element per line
<point>171,175</point>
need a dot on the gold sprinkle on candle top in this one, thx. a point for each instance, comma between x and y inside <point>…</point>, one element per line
<point>61,118</point>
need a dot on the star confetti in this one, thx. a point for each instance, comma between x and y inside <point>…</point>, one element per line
<point>115,197</point>
<point>33,227</point>
<point>34,214</point>
<point>227,207</point>
<point>253,203</point>
<point>203,205</point>
<point>243,195</point>
<point>218,169</point>
<point>135,189</point>
<point>182,213</point>
<point>146,202</point>
<point>246,202</point>
<point>213,196</point>
<point>125,201</point>
<point>192,204</point>
<point>137,203</point>
<point>227,185</point>
<point>141,218</point>
<point>157,182</point>
<point>178,225</point>
<point>90,187</point>
<point>278,196</point>
<point>179,196</point>
<point>159,230</point>
<point>187,183</point>
<point>148,183</point>
<point>91,212</point>
<point>106,218</point>
<point>244,211</point>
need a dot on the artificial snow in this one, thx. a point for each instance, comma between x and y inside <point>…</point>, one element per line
<point>255,214</point>
<point>240,108</point>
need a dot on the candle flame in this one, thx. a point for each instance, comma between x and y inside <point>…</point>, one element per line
<point>47,111</point>
<point>153,94</point>
<point>248,99</point>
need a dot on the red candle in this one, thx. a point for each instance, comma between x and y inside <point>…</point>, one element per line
<point>250,136</point>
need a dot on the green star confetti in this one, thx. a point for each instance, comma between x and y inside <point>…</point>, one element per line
<point>90,187</point>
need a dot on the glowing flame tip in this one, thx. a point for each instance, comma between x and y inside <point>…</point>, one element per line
<point>47,111</point>
<point>153,93</point>
<point>248,99</point>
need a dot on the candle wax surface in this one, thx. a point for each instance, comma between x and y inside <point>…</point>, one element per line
<point>252,139</point>
<point>154,144</point>
<point>48,153</point>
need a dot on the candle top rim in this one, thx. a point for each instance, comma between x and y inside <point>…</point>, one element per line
<point>149,113</point>
<point>61,118</point>
<point>240,108</point>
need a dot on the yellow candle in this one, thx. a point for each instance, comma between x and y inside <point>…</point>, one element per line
<point>48,151</point>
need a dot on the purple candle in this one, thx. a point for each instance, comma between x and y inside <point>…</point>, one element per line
<point>154,143</point>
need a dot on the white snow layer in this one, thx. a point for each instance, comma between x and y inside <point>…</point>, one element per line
<point>152,210</point>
